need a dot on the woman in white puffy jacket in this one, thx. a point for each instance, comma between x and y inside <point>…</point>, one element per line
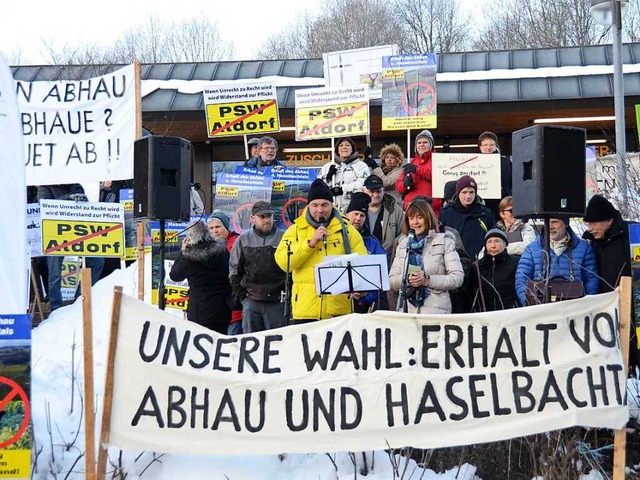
<point>345,174</point>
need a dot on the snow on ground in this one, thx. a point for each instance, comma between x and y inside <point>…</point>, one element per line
<point>57,394</point>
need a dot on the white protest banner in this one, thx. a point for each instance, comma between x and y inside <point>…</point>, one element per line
<point>241,108</point>
<point>13,197</point>
<point>79,130</point>
<point>34,230</point>
<point>332,112</point>
<point>366,382</point>
<point>85,229</point>
<point>484,168</point>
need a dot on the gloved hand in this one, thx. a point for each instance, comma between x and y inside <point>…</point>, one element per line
<point>408,181</point>
<point>336,191</point>
<point>331,173</point>
<point>368,151</point>
<point>409,168</point>
<point>371,163</point>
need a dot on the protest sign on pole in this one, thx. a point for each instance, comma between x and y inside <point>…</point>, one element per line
<point>79,130</point>
<point>241,108</point>
<point>289,193</point>
<point>409,97</point>
<point>484,168</point>
<point>237,192</point>
<point>332,112</point>
<point>14,279</point>
<point>86,229</point>
<point>634,240</point>
<point>366,382</point>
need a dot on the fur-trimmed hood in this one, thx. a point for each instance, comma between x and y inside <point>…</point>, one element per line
<point>392,149</point>
<point>205,250</point>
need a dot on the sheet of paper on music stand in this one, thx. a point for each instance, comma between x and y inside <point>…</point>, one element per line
<point>369,273</point>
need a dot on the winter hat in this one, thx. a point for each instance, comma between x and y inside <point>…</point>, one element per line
<point>223,217</point>
<point>464,182</point>
<point>254,141</point>
<point>599,209</point>
<point>449,190</point>
<point>497,233</point>
<point>392,149</point>
<point>426,134</point>
<point>340,140</point>
<point>359,202</point>
<point>319,190</point>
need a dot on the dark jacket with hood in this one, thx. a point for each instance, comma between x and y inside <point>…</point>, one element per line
<point>472,223</point>
<point>496,287</point>
<point>612,254</point>
<point>206,266</point>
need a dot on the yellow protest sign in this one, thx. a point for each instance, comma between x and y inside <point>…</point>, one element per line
<point>332,112</point>
<point>241,108</point>
<point>87,239</point>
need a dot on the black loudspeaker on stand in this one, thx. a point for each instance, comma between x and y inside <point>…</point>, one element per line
<point>549,171</point>
<point>162,175</point>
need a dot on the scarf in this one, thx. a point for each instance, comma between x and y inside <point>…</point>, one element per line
<point>416,295</point>
<point>334,213</point>
<point>560,246</point>
<point>515,226</point>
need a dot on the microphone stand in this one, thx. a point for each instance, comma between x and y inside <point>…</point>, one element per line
<point>287,289</point>
<point>402,298</point>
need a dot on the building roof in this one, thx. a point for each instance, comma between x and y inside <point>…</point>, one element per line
<point>471,77</point>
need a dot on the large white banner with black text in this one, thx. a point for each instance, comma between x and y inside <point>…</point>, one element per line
<point>79,130</point>
<point>364,382</point>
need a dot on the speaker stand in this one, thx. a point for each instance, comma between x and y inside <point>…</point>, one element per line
<point>547,252</point>
<point>161,299</point>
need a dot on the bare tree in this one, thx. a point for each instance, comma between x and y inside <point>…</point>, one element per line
<point>631,23</point>
<point>433,25</point>
<point>515,24</point>
<point>342,25</point>
<point>192,40</point>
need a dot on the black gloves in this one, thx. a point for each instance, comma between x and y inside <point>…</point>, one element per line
<point>409,168</point>
<point>371,163</point>
<point>368,151</point>
<point>336,191</point>
<point>330,174</point>
<point>408,181</point>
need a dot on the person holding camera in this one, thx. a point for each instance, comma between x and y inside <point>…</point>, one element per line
<point>433,265</point>
<point>204,263</point>
<point>345,174</point>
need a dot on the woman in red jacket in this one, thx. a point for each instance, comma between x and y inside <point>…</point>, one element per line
<point>415,179</point>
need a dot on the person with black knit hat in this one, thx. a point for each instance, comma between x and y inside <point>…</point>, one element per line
<point>357,214</point>
<point>345,173</point>
<point>608,234</point>
<point>495,275</point>
<point>415,179</point>
<point>320,230</point>
<point>468,216</point>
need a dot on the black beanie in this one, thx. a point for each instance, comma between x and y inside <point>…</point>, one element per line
<point>359,202</point>
<point>319,190</point>
<point>450,190</point>
<point>599,209</point>
<point>496,232</point>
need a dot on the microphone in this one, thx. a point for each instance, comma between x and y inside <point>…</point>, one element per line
<point>322,221</point>
<point>411,236</point>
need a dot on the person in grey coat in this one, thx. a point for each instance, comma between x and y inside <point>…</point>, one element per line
<point>434,266</point>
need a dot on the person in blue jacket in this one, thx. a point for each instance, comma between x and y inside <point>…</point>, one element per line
<point>468,216</point>
<point>570,257</point>
<point>357,215</point>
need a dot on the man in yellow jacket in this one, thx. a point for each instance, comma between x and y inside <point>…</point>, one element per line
<point>320,230</point>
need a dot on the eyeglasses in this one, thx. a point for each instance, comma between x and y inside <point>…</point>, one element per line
<point>268,148</point>
<point>508,210</point>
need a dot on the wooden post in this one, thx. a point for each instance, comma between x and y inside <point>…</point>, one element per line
<point>103,449</point>
<point>89,393</point>
<point>38,301</point>
<point>136,69</point>
<point>620,436</point>
<point>140,239</point>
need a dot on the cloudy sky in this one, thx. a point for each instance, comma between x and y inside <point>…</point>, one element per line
<point>74,22</point>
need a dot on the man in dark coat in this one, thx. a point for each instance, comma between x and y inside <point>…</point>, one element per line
<point>495,275</point>
<point>488,143</point>
<point>468,216</point>
<point>204,263</point>
<point>608,234</point>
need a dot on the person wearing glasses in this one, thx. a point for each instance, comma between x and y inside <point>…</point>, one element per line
<point>519,233</point>
<point>267,152</point>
